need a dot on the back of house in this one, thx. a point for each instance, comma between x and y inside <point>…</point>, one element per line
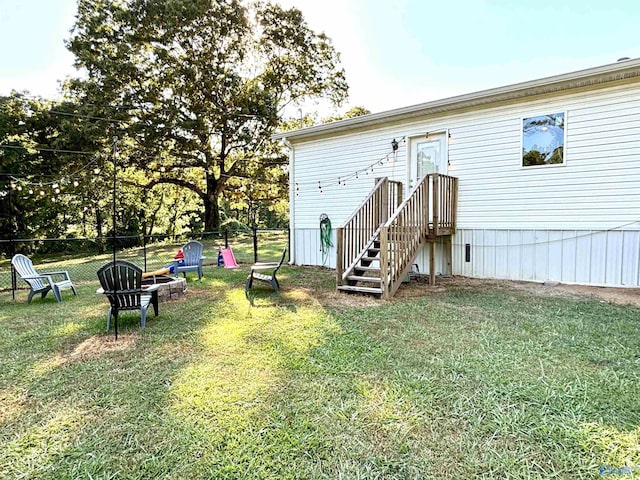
<point>547,173</point>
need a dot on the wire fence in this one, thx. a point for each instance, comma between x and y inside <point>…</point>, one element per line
<point>82,257</point>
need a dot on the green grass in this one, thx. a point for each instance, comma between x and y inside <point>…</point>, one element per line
<point>468,382</point>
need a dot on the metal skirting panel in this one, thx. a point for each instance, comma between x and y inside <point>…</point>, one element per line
<point>587,257</point>
<point>306,242</point>
<point>422,260</point>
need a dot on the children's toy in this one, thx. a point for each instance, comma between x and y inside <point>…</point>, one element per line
<point>228,258</point>
<point>172,268</point>
<point>156,273</point>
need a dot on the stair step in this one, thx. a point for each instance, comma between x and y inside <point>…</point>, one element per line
<point>373,250</point>
<point>349,288</point>
<point>359,278</point>
<point>370,259</point>
<point>366,269</point>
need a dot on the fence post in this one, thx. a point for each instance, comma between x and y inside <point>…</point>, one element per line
<point>226,238</point>
<point>14,283</point>
<point>255,244</point>
<point>11,246</point>
<point>144,250</point>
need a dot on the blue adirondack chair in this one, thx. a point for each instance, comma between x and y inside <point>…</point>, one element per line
<point>192,261</point>
<point>43,282</point>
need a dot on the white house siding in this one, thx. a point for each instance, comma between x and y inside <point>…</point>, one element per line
<point>324,161</point>
<point>574,223</point>
<point>327,160</point>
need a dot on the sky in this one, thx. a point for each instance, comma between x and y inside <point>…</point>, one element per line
<point>395,53</point>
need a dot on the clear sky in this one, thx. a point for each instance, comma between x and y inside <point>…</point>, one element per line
<point>395,53</point>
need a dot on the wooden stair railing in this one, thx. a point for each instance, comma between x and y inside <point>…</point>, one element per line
<point>359,231</point>
<point>445,205</point>
<point>402,237</point>
<point>379,257</point>
<point>414,223</point>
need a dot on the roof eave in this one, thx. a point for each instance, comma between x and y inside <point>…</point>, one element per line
<point>582,78</point>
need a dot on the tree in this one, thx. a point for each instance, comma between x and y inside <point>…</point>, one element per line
<point>203,83</point>
<point>48,187</point>
<point>37,205</point>
<point>351,113</point>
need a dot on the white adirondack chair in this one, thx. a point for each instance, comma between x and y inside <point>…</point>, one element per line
<point>41,282</point>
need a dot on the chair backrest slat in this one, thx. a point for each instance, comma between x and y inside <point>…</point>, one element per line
<point>192,252</point>
<point>122,284</point>
<point>24,267</point>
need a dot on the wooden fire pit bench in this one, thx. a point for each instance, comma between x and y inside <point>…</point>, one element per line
<point>269,278</point>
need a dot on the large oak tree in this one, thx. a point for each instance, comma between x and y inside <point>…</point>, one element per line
<point>197,86</point>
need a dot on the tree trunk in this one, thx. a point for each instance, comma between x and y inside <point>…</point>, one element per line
<point>99,229</point>
<point>211,205</point>
<point>211,212</point>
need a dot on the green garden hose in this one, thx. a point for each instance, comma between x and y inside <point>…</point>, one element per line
<point>325,237</point>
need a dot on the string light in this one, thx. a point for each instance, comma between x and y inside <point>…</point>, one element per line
<point>369,170</point>
<point>56,185</point>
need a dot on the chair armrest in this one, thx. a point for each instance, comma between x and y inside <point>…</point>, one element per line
<point>264,266</point>
<point>34,277</point>
<point>61,272</point>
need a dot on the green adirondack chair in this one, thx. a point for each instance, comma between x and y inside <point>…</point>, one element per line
<point>122,284</point>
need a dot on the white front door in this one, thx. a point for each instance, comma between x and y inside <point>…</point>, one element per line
<point>428,155</point>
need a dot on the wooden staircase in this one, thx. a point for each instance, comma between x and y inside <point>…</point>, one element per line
<point>365,276</point>
<point>379,243</point>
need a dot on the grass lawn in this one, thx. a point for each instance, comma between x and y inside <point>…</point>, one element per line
<point>468,380</point>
